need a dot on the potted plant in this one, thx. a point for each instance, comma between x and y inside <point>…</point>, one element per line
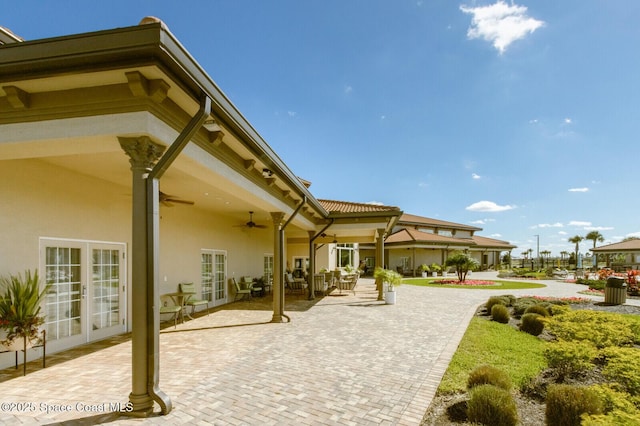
<point>389,279</point>
<point>435,268</point>
<point>20,318</point>
<point>424,269</point>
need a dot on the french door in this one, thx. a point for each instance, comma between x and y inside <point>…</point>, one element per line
<point>87,296</point>
<point>214,276</point>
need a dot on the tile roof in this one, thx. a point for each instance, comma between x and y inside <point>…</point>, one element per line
<point>409,235</point>
<point>421,220</point>
<point>628,245</point>
<point>349,207</point>
<point>491,242</point>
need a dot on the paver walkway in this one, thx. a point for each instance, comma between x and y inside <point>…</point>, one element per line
<point>344,360</point>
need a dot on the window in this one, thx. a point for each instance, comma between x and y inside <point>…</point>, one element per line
<point>344,255</point>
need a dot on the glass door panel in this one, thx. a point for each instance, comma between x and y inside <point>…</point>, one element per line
<point>63,304</point>
<point>220,278</point>
<point>105,297</point>
<point>206,276</point>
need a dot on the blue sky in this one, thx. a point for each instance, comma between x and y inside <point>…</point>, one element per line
<point>521,118</point>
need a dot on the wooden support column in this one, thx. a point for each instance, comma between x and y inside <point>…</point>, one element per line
<point>380,257</point>
<point>278,267</point>
<point>312,266</point>
<point>143,153</point>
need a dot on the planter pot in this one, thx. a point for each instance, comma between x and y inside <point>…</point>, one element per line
<point>15,345</point>
<point>444,274</point>
<point>390,297</point>
<point>434,274</point>
<point>424,275</point>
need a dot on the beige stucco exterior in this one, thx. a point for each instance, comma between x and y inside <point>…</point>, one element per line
<point>94,128</point>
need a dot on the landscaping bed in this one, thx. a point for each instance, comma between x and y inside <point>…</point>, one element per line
<point>449,406</point>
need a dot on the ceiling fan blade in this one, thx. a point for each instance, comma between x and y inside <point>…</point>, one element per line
<point>179,201</point>
<point>167,199</point>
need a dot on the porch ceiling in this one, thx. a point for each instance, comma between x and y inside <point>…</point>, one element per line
<point>65,101</point>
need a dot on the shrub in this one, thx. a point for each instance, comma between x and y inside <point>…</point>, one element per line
<point>532,324</point>
<point>500,313</point>
<point>570,357</point>
<point>522,304</point>
<point>560,309</point>
<point>622,365</point>
<point>613,399</point>
<point>603,329</point>
<point>490,405</point>
<point>537,309</point>
<point>488,375</point>
<point>495,300</point>
<point>567,403</point>
<point>616,417</point>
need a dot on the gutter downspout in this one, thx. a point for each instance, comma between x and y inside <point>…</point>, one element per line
<point>281,248</point>
<point>153,232</point>
<point>312,260</point>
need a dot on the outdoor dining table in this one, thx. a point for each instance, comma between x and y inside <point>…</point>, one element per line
<point>180,299</point>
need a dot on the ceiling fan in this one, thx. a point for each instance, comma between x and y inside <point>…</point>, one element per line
<point>251,223</point>
<point>169,200</point>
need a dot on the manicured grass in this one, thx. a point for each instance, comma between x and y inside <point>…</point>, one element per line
<point>499,285</point>
<point>518,354</point>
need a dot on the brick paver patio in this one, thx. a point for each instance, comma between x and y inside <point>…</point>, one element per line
<point>342,360</point>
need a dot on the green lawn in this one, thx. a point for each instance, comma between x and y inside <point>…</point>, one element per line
<point>499,284</point>
<point>488,342</point>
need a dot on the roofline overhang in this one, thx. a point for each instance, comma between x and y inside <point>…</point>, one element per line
<point>142,45</point>
<point>391,218</point>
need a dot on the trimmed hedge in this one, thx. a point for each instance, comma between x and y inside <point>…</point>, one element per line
<point>490,405</point>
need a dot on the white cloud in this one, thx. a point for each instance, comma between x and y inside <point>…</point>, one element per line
<point>633,234</point>
<point>567,121</point>
<point>495,235</point>
<point>562,233</point>
<point>348,89</point>
<point>488,206</point>
<point>548,225</point>
<point>475,176</point>
<point>478,222</point>
<point>598,228</point>
<point>579,223</point>
<point>292,113</point>
<point>585,189</point>
<point>500,23</point>
<point>375,203</point>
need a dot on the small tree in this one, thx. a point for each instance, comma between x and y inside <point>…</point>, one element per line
<point>463,263</point>
<point>576,239</point>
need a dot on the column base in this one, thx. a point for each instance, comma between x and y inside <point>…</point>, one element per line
<point>142,405</point>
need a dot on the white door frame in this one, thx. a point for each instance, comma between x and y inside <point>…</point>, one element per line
<point>87,331</point>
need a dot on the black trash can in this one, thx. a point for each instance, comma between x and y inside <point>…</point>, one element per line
<point>615,291</point>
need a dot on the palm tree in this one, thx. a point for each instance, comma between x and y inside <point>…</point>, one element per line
<point>594,236</point>
<point>576,240</point>
<point>562,255</point>
<point>545,257</point>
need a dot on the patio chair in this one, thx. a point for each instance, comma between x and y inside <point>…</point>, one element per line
<point>256,289</point>
<point>319,284</point>
<point>337,276</point>
<point>348,282</point>
<point>172,309</point>
<point>244,292</point>
<point>294,284</point>
<point>191,300</point>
